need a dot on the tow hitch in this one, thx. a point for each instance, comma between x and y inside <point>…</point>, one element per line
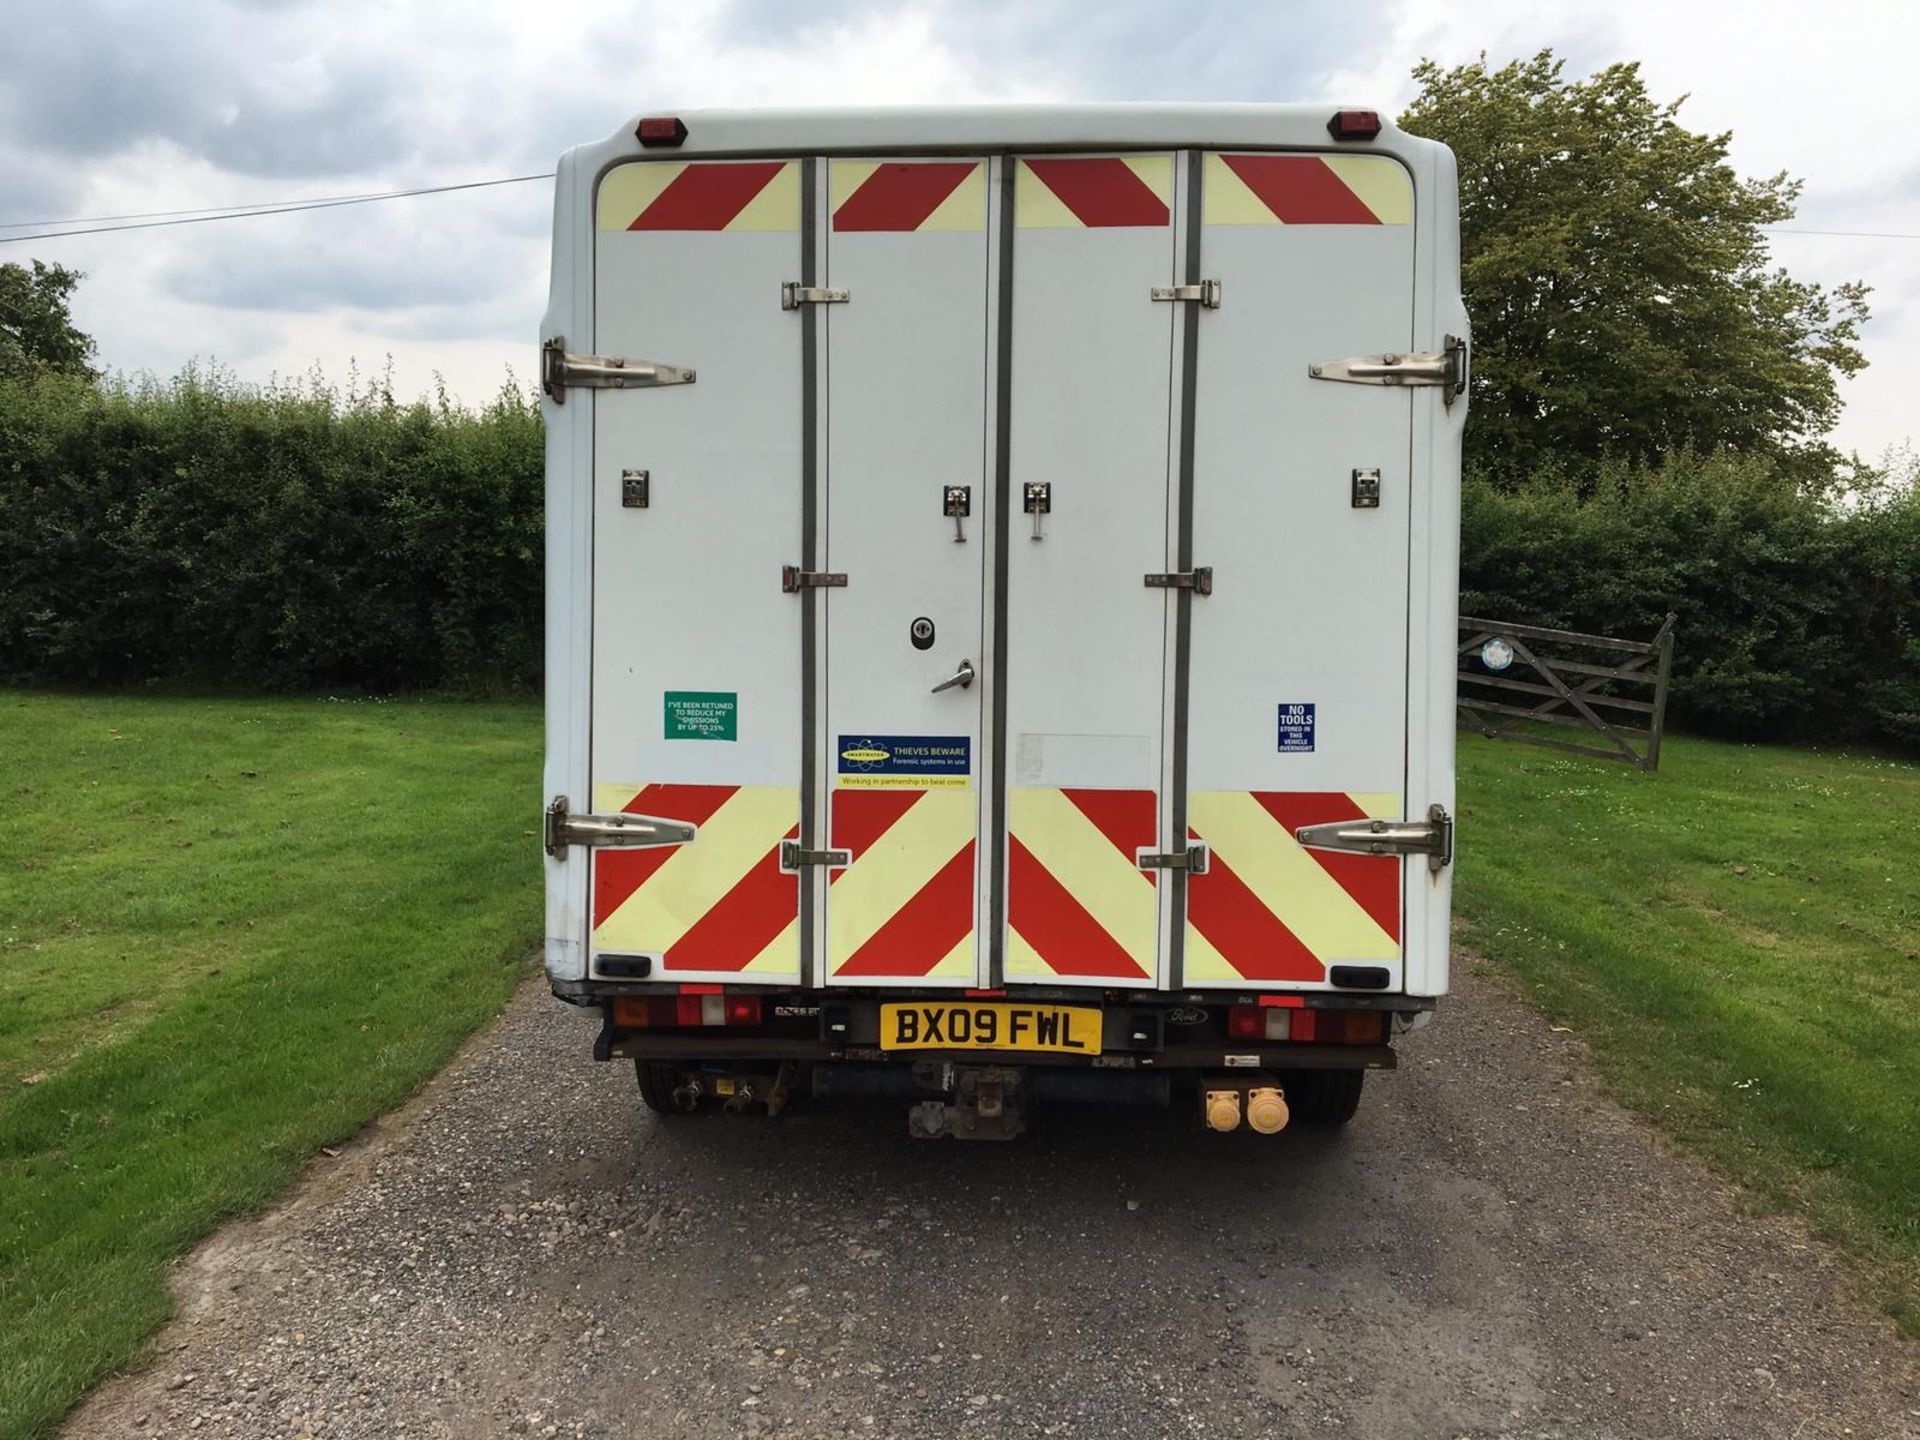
<point>987,1104</point>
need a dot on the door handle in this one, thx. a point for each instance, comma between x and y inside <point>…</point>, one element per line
<point>961,678</point>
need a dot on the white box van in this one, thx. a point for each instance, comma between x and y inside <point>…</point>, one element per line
<point>1001,589</point>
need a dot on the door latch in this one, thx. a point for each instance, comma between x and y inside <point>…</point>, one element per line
<point>619,831</point>
<point>1037,500</point>
<point>793,295</point>
<point>1198,580</point>
<point>961,679</point>
<point>1206,293</point>
<point>561,368</point>
<point>635,486</point>
<point>958,503</point>
<point>1445,367</point>
<point>1193,859</point>
<point>1431,837</point>
<point>793,579</point>
<point>795,856</point>
<point>1366,489</point>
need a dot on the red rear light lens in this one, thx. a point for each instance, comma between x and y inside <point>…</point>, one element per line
<point>658,130</point>
<point>656,1012</point>
<point>1354,124</point>
<point>687,1009</point>
<point>743,1009</point>
<point>1246,1022</point>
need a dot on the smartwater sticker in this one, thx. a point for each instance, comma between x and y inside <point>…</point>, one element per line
<point>703,715</point>
<point>901,762</point>
<point>1296,728</point>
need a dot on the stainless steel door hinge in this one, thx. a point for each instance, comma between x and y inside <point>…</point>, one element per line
<point>1431,837</point>
<point>1446,367</point>
<point>1193,859</point>
<point>1199,580</point>
<point>794,856</point>
<point>561,369</point>
<point>793,295</point>
<point>794,579</point>
<point>609,832</point>
<point>1206,293</point>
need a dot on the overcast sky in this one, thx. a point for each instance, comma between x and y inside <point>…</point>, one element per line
<point>116,106</point>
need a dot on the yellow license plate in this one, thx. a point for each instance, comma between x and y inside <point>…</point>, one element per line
<point>1053,1029</point>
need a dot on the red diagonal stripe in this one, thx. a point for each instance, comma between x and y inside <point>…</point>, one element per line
<point>1126,817</point>
<point>618,873</point>
<point>1058,926</point>
<point>1102,191</point>
<point>900,197</point>
<point>860,817</point>
<point>1300,190</point>
<point>1250,936</point>
<point>743,922</point>
<point>919,934</point>
<point>1372,880</point>
<point>706,196</point>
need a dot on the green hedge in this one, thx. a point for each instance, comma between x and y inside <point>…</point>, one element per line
<point>1799,617</point>
<point>279,538</point>
<point>295,538</point>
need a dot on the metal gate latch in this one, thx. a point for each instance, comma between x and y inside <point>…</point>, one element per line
<point>609,832</point>
<point>1445,367</point>
<point>1037,500</point>
<point>793,578</point>
<point>1198,580</point>
<point>1431,837</point>
<point>1206,293</point>
<point>793,856</point>
<point>1193,859</point>
<point>561,368</point>
<point>793,295</point>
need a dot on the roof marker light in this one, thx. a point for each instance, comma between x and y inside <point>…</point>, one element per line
<point>1349,124</point>
<point>659,130</point>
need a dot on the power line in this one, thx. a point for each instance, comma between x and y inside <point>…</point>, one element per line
<point>235,213</point>
<point>161,219</point>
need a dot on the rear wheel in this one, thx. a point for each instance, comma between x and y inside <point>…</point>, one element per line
<point>1324,1097</point>
<point>656,1086</point>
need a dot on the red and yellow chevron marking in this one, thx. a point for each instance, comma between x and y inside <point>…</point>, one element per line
<point>909,195</point>
<point>1267,909</point>
<point>719,903</point>
<point>1080,192</point>
<point>738,195</point>
<point>1306,190</point>
<point>1077,903</point>
<point>904,907</point>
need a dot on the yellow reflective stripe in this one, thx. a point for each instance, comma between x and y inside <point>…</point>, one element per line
<point>1226,199</point>
<point>846,176</point>
<point>782,955</point>
<point>1377,804</point>
<point>777,207</point>
<point>964,210</point>
<point>1286,879</point>
<point>612,796</point>
<point>627,190</point>
<point>1022,958</point>
<point>1203,962</point>
<point>1155,172</point>
<point>1035,207</point>
<point>957,961</point>
<point>738,836</point>
<point>895,868</point>
<point>1380,184</point>
<point>1072,849</point>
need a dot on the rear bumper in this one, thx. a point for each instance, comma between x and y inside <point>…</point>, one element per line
<point>1140,1031</point>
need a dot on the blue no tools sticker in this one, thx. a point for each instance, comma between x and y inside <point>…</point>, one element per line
<point>1296,728</point>
<point>903,762</point>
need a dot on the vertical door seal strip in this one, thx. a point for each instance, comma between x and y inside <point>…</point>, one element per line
<point>1002,489</point>
<point>1183,561</point>
<point>809,535</point>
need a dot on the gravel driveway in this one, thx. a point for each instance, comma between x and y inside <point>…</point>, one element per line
<point>1491,1249</point>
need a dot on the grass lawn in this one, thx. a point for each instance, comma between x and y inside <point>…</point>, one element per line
<point>1738,938</point>
<point>231,931</point>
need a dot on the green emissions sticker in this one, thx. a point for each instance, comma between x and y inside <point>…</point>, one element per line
<point>703,715</point>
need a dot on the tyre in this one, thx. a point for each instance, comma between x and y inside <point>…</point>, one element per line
<point>656,1087</point>
<point>1324,1097</point>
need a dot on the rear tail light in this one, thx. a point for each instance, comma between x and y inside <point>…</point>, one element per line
<point>666,1012</point>
<point>658,130</point>
<point>1324,1027</point>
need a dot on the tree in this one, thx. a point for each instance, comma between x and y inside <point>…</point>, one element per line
<point>36,330</point>
<point>1615,269</point>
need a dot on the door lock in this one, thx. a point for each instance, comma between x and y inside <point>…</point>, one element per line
<point>960,679</point>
